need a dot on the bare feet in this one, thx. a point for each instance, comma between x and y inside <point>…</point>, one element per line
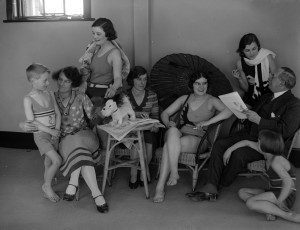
<point>270,217</point>
<point>292,216</point>
<point>173,179</point>
<point>49,193</point>
<point>159,197</point>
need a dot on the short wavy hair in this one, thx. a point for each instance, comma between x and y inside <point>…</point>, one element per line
<point>134,73</point>
<point>271,142</point>
<point>195,76</point>
<point>247,39</point>
<point>72,73</point>
<point>107,27</point>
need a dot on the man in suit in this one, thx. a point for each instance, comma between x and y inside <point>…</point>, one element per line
<point>278,111</point>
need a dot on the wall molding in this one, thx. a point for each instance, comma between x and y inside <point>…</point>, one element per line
<point>17,140</point>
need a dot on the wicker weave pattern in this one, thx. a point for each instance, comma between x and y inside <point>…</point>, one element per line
<point>257,166</point>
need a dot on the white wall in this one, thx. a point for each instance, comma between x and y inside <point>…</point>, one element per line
<point>208,28</point>
<point>55,44</point>
<point>212,29</point>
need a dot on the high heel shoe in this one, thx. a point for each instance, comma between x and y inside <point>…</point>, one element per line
<point>70,197</point>
<point>133,185</point>
<point>101,208</point>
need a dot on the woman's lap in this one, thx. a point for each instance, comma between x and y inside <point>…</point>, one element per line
<point>78,150</point>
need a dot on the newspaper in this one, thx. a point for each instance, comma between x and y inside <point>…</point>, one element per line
<point>235,103</point>
<point>121,131</point>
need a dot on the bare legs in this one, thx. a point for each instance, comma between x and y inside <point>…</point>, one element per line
<point>174,144</point>
<point>52,163</point>
<point>266,202</point>
<point>73,181</point>
<point>89,175</point>
<point>173,150</point>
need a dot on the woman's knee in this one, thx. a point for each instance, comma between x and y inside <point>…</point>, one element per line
<point>242,193</point>
<point>250,203</point>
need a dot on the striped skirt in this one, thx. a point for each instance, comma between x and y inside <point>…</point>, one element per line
<point>79,149</point>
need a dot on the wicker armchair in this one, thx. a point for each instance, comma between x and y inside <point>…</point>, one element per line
<point>258,168</point>
<point>194,162</point>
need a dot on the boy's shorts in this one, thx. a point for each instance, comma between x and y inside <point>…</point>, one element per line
<point>45,143</point>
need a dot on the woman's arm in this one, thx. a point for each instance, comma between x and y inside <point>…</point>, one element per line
<point>115,60</point>
<point>281,166</point>
<point>88,106</point>
<point>154,113</point>
<point>223,112</point>
<point>173,108</point>
<point>57,113</point>
<point>242,79</point>
<point>244,143</point>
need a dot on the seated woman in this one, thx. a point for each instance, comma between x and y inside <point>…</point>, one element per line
<point>78,144</point>
<point>253,68</point>
<point>200,109</point>
<point>145,104</point>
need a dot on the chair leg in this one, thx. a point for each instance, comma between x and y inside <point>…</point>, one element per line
<point>195,177</point>
<point>142,163</point>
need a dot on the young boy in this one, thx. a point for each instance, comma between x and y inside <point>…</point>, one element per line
<point>41,109</point>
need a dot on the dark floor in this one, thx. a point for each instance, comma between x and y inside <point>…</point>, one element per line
<point>23,207</point>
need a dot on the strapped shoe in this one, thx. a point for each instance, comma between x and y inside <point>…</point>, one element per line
<point>70,197</point>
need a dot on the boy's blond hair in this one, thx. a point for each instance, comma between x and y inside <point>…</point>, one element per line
<point>35,70</point>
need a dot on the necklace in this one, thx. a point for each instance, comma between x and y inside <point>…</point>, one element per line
<point>65,110</point>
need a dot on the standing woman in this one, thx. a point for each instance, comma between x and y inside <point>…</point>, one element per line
<point>78,145</point>
<point>253,68</point>
<point>104,64</point>
<point>145,105</point>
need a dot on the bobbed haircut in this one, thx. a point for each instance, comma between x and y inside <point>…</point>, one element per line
<point>195,76</point>
<point>134,73</point>
<point>247,39</point>
<point>288,77</point>
<point>107,27</point>
<point>71,73</point>
<point>271,142</point>
<point>35,70</point>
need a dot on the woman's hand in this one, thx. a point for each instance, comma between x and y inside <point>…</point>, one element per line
<point>227,156</point>
<point>144,115</point>
<point>55,133</point>
<point>202,124</point>
<point>251,80</point>
<point>282,206</point>
<point>110,92</point>
<point>154,128</point>
<point>28,126</point>
<point>236,73</point>
<point>171,124</point>
<point>84,71</point>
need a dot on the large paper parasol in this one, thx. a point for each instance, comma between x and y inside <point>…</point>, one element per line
<point>170,76</point>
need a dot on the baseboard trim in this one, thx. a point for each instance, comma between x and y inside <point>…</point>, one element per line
<point>17,140</point>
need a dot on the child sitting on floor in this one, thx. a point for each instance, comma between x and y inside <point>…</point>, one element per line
<point>281,195</point>
<point>40,106</point>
